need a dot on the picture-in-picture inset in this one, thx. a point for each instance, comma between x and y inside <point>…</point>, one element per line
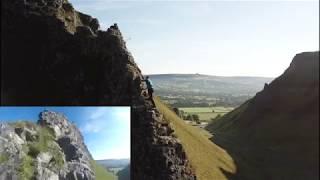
<point>65,143</point>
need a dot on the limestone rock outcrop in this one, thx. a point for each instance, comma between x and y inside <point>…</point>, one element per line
<point>38,151</point>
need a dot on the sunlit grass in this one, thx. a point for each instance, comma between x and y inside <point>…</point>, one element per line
<point>27,168</point>
<point>206,158</point>
<point>102,173</point>
<point>3,158</point>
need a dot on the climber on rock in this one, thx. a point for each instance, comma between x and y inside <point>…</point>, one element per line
<point>149,88</point>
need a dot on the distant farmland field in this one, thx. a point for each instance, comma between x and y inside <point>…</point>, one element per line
<point>207,113</point>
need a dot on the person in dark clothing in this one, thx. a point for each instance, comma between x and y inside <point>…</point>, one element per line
<point>150,88</point>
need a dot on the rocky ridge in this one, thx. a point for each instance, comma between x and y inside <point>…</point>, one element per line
<point>55,55</point>
<point>277,131</point>
<point>52,149</point>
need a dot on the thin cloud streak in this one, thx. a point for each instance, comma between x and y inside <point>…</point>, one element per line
<point>99,119</point>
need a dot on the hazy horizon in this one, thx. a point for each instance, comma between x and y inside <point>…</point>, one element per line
<point>222,38</point>
<point>204,75</point>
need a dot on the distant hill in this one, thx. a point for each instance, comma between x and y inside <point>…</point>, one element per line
<point>208,84</point>
<point>114,163</point>
<point>275,135</point>
<point>220,90</point>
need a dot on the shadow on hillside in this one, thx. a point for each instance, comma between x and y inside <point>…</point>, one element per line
<point>227,174</point>
<point>235,156</point>
<point>255,163</point>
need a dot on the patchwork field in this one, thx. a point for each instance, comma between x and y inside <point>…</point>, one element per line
<point>207,113</point>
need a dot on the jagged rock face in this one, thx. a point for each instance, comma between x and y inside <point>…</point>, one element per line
<point>71,142</point>
<point>38,152</point>
<point>10,146</point>
<point>158,139</point>
<point>57,53</point>
<point>54,55</point>
<point>278,129</point>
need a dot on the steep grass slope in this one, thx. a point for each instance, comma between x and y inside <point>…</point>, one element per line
<point>207,159</point>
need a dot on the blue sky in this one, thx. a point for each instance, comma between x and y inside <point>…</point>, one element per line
<point>106,130</point>
<point>246,38</point>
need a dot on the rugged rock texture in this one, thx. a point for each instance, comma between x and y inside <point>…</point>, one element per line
<point>71,142</point>
<point>152,136</point>
<point>275,135</point>
<point>54,55</point>
<point>57,53</point>
<point>52,150</point>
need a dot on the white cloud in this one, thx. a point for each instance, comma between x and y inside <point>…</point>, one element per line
<point>95,122</point>
<point>98,113</point>
<point>123,114</point>
<point>107,132</point>
<point>99,118</point>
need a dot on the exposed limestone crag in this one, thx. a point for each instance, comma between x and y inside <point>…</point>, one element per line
<point>41,152</point>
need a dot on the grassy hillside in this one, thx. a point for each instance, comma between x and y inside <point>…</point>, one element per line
<point>224,122</point>
<point>275,135</point>
<point>207,159</point>
<point>102,173</point>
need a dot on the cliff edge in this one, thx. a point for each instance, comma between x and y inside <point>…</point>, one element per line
<point>55,55</point>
